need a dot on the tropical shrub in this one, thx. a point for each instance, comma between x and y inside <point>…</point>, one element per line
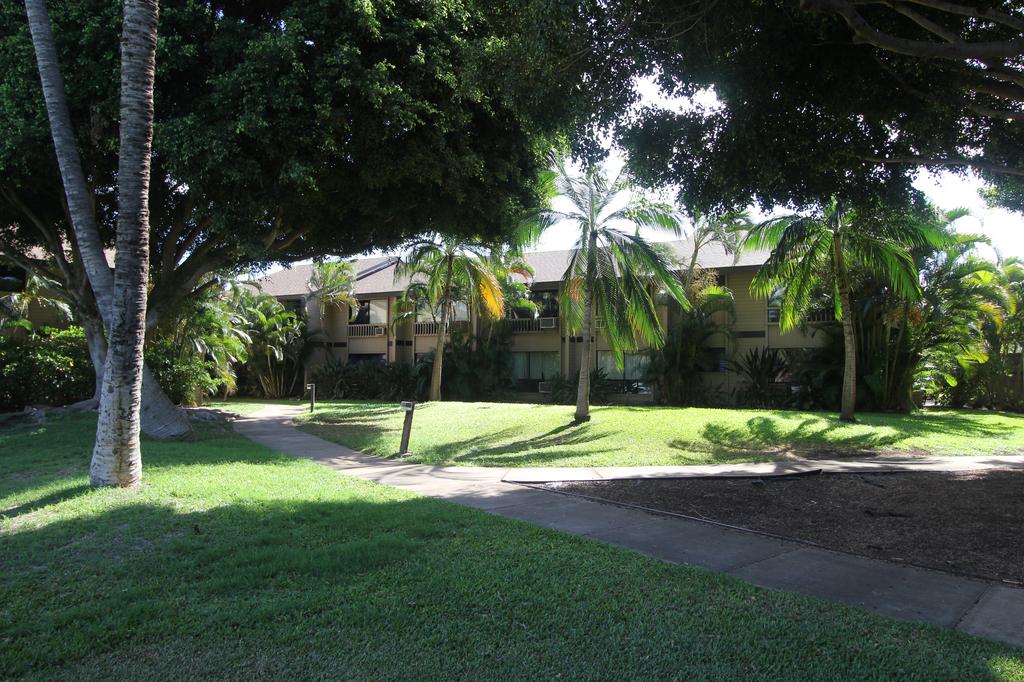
<point>761,370</point>
<point>52,367</point>
<point>366,381</point>
<point>185,377</point>
<point>674,370</point>
<point>816,374</point>
<point>565,390</point>
<point>474,369</point>
<point>199,348</point>
<point>277,350</point>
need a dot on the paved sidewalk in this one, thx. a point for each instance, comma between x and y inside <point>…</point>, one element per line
<point>985,609</point>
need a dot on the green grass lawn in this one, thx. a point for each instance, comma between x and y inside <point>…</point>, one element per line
<point>511,435</point>
<point>246,406</point>
<point>234,561</point>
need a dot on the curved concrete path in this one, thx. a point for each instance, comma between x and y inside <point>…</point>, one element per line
<point>985,609</point>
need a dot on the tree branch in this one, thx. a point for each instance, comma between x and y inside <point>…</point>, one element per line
<point>169,244</point>
<point>977,164</point>
<point>965,11</point>
<point>958,50</point>
<point>924,22</point>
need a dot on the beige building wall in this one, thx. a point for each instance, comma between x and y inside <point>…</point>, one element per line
<point>401,343</point>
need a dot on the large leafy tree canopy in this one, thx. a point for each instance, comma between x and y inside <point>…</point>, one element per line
<point>284,129</point>
<point>824,98</point>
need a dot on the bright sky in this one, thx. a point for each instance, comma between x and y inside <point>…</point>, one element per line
<point>946,190</point>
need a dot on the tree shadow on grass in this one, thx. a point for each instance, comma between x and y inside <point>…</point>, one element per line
<point>370,579</point>
<point>55,497</point>
<point>494,449</point>
<point>825,436</point>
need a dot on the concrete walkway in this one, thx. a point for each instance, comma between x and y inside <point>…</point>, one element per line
<point>985,609</point>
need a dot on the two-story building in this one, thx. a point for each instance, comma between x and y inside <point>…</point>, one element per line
<point>541,345</point>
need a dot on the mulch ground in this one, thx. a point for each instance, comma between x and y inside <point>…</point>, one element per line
<point>969,523</point>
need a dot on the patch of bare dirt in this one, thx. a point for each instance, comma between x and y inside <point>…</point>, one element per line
<point>970,523</point>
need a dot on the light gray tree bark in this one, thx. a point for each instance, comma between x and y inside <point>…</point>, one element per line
<point>849,395</point>
<point>96,340</point>
<point>117,457</point>
<point>583,388</point>
<point>160,417</point>
<point>442,333</point>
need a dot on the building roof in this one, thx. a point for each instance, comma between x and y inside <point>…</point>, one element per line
<point>377,275</point>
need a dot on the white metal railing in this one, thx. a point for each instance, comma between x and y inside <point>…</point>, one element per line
<point>430,328</point>
<point>363,330</point>
<point>539,324</point>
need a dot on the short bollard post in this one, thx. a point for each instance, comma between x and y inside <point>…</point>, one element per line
<point>409,406</point>
<point>312,397</point>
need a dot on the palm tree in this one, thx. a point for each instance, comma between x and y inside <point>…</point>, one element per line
<point>961,299</point>
<point>39,292</point>
<point>727,229</point>
<point>160,418</point>
<point>808,252</point>
<point>675,368</point>
<point>333,284</point>
<point>274,333</point>
<point>611,271</point>
<point>116,457</point>
<point>444,271</point>
<point>513,272</point>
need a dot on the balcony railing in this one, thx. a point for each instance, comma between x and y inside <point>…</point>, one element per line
<point>430,328</point>
<point>526,326</point>
<point>363,330</point>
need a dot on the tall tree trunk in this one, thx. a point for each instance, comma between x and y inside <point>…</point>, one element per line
<point>97,343</point>
<point>117,457</point>
<point>583,388</point>
<point>688,282</point>
<point>442,333</point>
<point>160,418</point>
<point>849,395</point>
<point>79,196</point>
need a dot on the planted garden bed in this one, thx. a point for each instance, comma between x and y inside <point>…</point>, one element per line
<point>969,523</point>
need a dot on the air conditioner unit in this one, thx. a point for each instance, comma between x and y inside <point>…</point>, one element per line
<point>548,322</point>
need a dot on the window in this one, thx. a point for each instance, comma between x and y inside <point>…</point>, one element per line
<point>773,316</point>
<point>372,312</point>
<point>537,365</point>
<point>366,358</point>
<point>634,366</point>
<point>547,303</point>
<point>294,305</point>
<point>715,360</point>
<point>460,312</point>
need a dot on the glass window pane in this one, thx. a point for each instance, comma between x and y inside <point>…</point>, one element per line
<point>363,315</point>
<point>379,311</point>
<point>606,361</point>
<point>460,311</point>
<point>549,365</point>
<point>635,366</point>
<point>520,366</point>
<point>423,311</point>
